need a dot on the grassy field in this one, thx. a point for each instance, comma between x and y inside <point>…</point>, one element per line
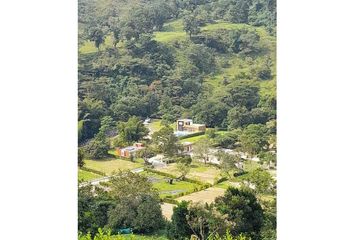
<point>206,196</point>
<point>166,189</point>
<point>89,47</point>
<point>197,138</point>
<point>86,176</point>
<point>199,171</point>
<point>110,165</point>
<point>155,125</point>
<point>193,139</point>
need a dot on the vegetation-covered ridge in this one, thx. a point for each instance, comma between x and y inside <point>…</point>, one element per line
<point>184,58</point>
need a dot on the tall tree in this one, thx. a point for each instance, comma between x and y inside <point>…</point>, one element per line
<point>166,141</point>
<point>137,204</point>
<point>205,221</point>
<point>201,150</point>
<point>262,180</point>
<point>191,25</point>
<point>179,229</point>
<point>229,162</point>
<point>80,157</point>
<point>97,36</point>
<point>132,131</point>
<point>254,138</point>
<point>242,209</point>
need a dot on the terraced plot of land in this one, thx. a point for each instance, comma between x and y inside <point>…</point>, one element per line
<point>166,189</point>
<point>199,171</point>
<point>111,165</point>
<point>86,176</point>
<point>205,196</point>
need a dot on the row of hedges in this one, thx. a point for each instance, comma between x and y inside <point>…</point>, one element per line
<point>191,135</point>
<point>172,198</point>
<point>93,171</point>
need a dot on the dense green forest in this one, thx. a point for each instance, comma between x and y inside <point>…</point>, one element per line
<point>213,61</point>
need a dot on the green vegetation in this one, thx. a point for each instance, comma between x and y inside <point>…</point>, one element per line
<point>109,166</point>
<point>86,176</point>
<point>211,61</point>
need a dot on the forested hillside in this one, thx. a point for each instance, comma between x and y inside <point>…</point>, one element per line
<point>210,60</point>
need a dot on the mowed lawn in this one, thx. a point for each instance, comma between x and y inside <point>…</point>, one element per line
<point>111,165</point>
<point>199,171</point>
<point>166,189</point>
<point>86,176</point>
<point>205,196</point>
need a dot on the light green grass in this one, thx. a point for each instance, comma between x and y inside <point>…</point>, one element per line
<point>110,165</point>
<point>162,185</point>
<point>155,125</point>
<point>173,26</point>
<point>89,46</point>
<point>224,25</point>
<point>193,139</point>
<point>166,37</point>
<point>86,176</point>
<point>199,171</point>
<point>171,31</point>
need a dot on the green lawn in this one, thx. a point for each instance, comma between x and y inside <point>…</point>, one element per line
<point>166,37</point>
<point>199,171</point>
<point>86,176</point>
<point>89,46</point>
<point>108,166</point>
<point>193,139</point>
<point>155,125</point>
<point>165,189</point>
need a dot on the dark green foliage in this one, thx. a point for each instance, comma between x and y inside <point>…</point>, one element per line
<point>262,181</point>
<point>210,112</point>
<point>258,13</point>
<point>141,212</point>
<point>254,138</point>
<point>97,36</point>
<point>132,131</point>
<point>243,94</point>
<point>243,210</point>
<point>228,162</point>
<point>93,209</point>
<point>191,25</point>
<point>80,158</point>
<point>240,116</point>
<point>202,58</point>
<point>211,132</point>
<point>178,228</point>
<point>225,140</point>
<point>137,204</point>
<point>205,221</point>
<point>244,41</point>
<point>166,141</point>
<point>97,148</point>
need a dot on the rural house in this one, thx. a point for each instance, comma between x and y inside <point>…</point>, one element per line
<point>127,152</point>
<point>187,125</point>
